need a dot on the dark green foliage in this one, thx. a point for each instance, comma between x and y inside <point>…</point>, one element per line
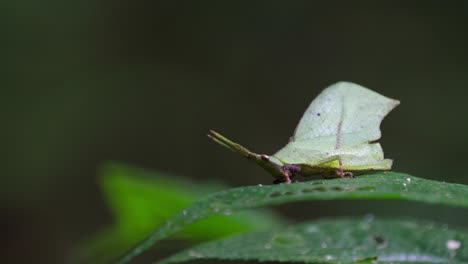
<point>381,186</point>
<point>341,241</point>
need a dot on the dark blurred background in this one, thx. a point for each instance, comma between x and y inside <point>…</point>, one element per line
<point>142,81</point>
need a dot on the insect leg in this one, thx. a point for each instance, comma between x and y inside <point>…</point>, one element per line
<point>287,177</point>
<point>340,172</point>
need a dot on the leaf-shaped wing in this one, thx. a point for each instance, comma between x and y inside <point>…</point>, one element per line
<point>340,123</point>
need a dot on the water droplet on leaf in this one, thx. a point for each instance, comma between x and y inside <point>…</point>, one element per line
<point>227,212</point>
<point>194,254</point>
<point>368,218</point>
<point>453,244</point>
<point>312,229</point>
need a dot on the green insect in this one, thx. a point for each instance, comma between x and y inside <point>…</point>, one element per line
<point>336,136</point>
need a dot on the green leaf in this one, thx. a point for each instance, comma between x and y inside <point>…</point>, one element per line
<point>336,133</point>
<point>384,186</point>
<point>340,241</point>
<point>141,201</point>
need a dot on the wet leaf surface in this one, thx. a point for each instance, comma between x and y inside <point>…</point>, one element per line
<point>379,186</point>
<point>341,241</point>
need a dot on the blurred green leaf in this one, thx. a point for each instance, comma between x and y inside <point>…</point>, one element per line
<point>384,186</point>
<point>141,201</point>
<point>340,241</point>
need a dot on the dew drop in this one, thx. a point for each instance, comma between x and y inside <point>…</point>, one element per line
<point>429,226</point>
<point>216,206</point>
<point>453,244</point>
<point>260,185</point>
<point>195,254</point>
<point>267,246</point>
<point>227,212</point>
<point>366,222</point>
<point>328,257</point>
<point>312,229</point>
<point>368,218</point>
<point>408,180</point>
<point>184,212</point>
